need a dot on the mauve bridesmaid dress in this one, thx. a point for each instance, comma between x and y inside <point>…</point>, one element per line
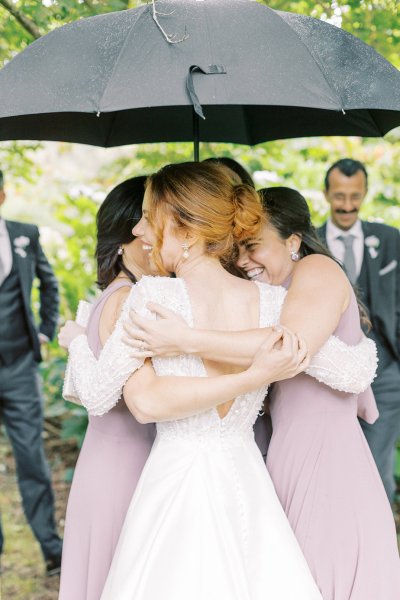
<point>111,460</point>
<point>329,486</point>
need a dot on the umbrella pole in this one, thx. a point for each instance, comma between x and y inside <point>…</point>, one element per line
<point>196,136</point>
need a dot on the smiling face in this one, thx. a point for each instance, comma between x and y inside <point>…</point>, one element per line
<point>172,239</point>
<point>268,258</point>
<point>345,196</point>
<point>137,259</point>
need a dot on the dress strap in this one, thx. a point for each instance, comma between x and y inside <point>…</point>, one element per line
<point>94,319</point>
<point>113,287</point>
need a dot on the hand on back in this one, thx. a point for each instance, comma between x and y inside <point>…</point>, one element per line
<point>162,337</point>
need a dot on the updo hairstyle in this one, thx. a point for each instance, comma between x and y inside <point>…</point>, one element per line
<point>205,200</point>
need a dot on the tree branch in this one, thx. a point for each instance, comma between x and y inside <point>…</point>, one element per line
<point>171,38</point>
<point>27,23</point>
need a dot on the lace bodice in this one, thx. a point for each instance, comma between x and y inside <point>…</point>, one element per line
<point>172,293</point>
<point>99,383</point>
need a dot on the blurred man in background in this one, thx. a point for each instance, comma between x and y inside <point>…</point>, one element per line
<point>370,253</point>
<point>21,403</point>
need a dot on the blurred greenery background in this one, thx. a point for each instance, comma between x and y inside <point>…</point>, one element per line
<point>60,186</point>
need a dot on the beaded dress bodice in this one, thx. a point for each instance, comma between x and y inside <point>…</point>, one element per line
<point>172,293</point>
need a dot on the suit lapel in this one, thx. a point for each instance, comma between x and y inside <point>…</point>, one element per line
<point>21,263</point>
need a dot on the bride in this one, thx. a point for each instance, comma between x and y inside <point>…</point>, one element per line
<point>205,522</point>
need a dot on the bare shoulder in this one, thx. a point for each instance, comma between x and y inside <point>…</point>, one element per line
<point>319,268</point>
<point>321,280</point>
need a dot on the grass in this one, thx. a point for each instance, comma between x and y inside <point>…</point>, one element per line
<point>23,569</point>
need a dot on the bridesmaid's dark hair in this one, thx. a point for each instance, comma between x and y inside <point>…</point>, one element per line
<point>287,211</point>
<point>234,166</point>
<point>116,217</point>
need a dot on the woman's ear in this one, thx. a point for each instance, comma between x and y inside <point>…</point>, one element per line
<point>189,237</point>
<point>294,242</point>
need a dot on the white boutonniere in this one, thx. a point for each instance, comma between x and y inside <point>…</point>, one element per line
<point>372,243</point>
<point>20,243</point>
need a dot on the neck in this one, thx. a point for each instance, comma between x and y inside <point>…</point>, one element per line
<point>133,268</point>
<point>287,275</point>
<point>199,268</point>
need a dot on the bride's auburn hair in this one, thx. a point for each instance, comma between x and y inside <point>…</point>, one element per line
<point>206,200</point>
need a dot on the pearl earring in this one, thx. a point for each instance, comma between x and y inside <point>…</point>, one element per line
<point>120,250</point>
<point>294,256</point>
<point>185,247</point>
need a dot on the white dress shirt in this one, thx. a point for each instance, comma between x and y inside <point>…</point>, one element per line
<point>336,246</point>
<point>5,248</point>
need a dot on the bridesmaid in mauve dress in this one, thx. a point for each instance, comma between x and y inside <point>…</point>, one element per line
<point>323,470</point>
<point>116,446</point>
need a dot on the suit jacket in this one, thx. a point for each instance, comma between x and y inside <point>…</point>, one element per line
<point>382,261</point>
<point>31,262</point>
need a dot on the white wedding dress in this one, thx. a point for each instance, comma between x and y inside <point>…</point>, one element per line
<point>205,522</point>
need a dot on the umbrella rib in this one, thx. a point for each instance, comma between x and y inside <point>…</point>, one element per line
<point>325,76</point>
<point>145,8</point>
<point>110,129</point>
<point>373,119</point>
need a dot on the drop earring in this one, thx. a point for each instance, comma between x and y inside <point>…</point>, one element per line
<point>185,247</point>
<point>120,250</point>
<point>294,256</point>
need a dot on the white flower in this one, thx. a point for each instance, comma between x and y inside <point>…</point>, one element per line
<point>372,252</point>
<point>372,241</point>
<point>21,252</point>
<point>21,242</point>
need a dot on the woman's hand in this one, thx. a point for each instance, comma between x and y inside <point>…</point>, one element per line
<point>282,356</point>
<point>68,333</point>
<point>165,336</point>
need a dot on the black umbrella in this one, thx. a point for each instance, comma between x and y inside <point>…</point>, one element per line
<point>134,76</point>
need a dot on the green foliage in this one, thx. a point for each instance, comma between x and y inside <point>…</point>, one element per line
<point>73,259</point>
<point>75,269</point>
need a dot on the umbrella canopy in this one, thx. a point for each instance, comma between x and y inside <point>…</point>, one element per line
<point>259,75</point>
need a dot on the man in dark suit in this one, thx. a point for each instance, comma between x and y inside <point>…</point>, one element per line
<point>21,404</point>
<point>370,253</point>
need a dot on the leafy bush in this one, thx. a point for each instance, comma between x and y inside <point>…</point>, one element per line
<point>74,266</point>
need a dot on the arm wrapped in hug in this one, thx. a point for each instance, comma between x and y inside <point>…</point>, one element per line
<point>340,366</point>
<point>343,367</point>
<point>99,382</point>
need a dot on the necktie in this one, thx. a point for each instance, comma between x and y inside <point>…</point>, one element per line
<point>349,260</point>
